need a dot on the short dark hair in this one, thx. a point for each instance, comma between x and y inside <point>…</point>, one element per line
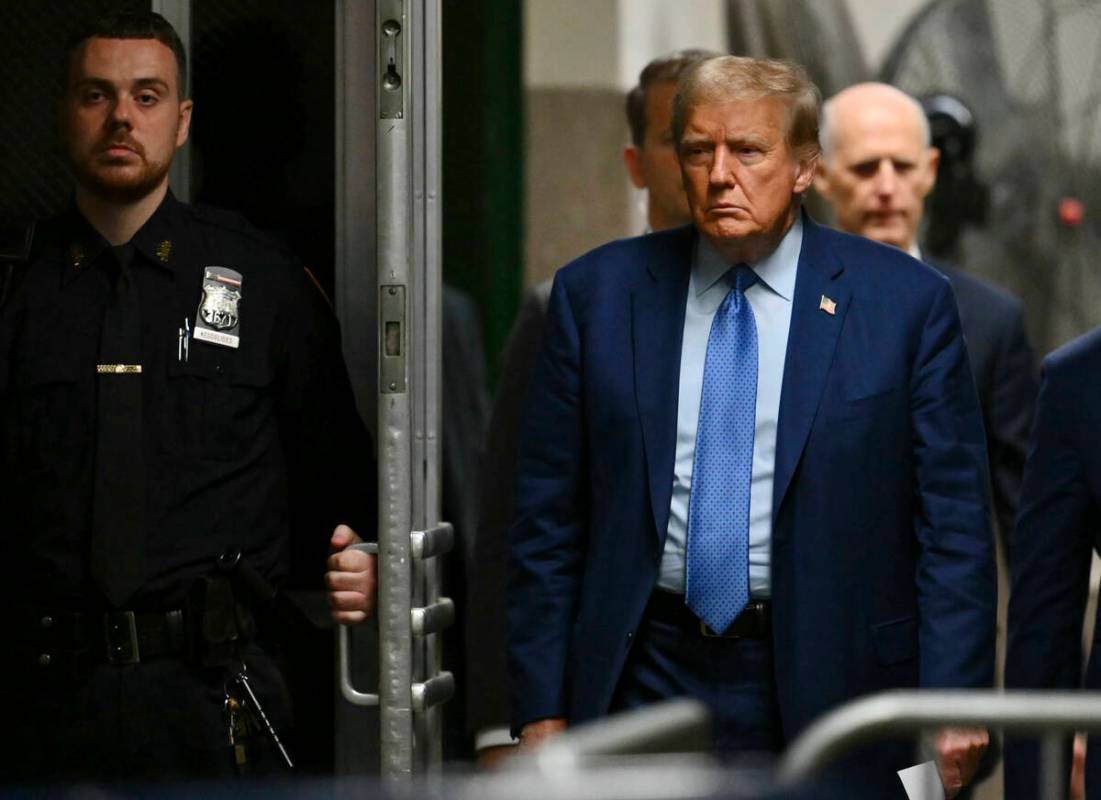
<point>132,25</point>
<point>663,69</point>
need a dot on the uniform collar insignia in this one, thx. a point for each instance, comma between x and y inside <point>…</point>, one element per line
<point>84,245</point>
<point>77,255</point>
<point>155,239</point>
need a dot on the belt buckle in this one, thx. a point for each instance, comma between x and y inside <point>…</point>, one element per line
<point>121,635</point>
<point>707,633</point>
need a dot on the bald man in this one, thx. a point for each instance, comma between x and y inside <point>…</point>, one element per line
<point>876,169</point>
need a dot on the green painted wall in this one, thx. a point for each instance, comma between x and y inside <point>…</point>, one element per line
<point>483,159</point>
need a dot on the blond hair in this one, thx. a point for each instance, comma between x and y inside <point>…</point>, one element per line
<point>735,78</point>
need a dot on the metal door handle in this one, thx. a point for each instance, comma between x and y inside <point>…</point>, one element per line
<point>351,694</point>
<point>423,621</point>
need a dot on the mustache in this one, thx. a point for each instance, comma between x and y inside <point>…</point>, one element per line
<point>119,139</point>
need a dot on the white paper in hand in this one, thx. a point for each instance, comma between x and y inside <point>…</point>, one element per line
<point>922,782</point>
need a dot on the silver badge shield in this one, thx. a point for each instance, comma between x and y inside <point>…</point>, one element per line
<point>219,318</point>
<point>219,309</point>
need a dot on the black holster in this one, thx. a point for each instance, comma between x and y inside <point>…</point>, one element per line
<point>219,622</point>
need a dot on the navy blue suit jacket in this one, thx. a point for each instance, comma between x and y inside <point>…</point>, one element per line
<point>1004,367</point>
<point>882,565</point>
<point>1058,527</point>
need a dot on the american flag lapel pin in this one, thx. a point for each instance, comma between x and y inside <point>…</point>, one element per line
<point>827,305</point>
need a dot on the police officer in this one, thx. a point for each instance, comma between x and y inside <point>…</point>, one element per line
<point>172,391</point>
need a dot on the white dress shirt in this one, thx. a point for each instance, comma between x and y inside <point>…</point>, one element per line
<point>770,298</point>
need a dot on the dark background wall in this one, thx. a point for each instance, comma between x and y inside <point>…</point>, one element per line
<point>34,181</point>
<point>483,158</point>
<point>263,128</point>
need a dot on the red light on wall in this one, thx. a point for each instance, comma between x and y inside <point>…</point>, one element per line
<point>1071,211</point>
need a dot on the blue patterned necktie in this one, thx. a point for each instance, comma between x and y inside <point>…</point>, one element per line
<point>717,558</point>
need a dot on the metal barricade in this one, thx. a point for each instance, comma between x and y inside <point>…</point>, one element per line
<point>674,726</point>
<point>658,752</point>
<point>1053,714</point>
<point>602,759</point>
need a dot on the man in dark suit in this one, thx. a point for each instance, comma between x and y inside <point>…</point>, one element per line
<point>1057,532</point>
<point>753,465</point>
<point>652,165</point>
<point>877,168</point>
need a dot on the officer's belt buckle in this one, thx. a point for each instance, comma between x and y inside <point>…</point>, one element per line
<point>121,635</point>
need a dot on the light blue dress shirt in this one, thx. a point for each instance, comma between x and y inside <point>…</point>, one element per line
<point>770,299</point>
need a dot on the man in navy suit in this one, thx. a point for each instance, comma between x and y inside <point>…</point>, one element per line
<point>876,169</point>
<point>1057,531</point>
<point>753,469</point>
<point>651,162</point>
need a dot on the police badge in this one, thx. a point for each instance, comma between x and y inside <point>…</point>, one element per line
<point>219,318</point>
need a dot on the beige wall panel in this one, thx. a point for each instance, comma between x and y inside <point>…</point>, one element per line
<point>576,187</point>
<point>879,22</point>
<point>570,43</point>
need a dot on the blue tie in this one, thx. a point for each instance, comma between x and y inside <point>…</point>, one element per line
<point>717,558</point>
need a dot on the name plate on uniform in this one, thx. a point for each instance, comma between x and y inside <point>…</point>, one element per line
<point>118,369</point>
<point>219,319</point>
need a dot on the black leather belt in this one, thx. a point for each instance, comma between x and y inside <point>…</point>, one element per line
<point>755,621</point>
<point>131,635</point>
<point>117,637</point>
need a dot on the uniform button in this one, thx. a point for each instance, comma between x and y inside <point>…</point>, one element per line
<point>218,368</point>
<point>47,621</point>
<point>44,660</point>
<point>630,636</point>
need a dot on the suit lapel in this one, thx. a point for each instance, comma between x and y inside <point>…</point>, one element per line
<point>657,323</point>
<point>812,339</point>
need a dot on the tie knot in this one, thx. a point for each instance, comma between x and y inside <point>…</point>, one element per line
<point>116,262</point>
<point>744,277</point>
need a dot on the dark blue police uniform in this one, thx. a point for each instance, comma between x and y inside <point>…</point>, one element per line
<point>256,449</point>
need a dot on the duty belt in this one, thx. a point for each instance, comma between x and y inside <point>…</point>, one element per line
<point>208,631</point>
<point>48,637</point>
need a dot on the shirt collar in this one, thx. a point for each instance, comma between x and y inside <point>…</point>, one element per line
<point>83,246</point>
<point>776,271</point>
<point>915,251</point>
<point>155,240</point>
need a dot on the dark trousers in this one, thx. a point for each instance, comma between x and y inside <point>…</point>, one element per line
<point>735,678</point>
<point>157,721</point>
<point>732,677</point>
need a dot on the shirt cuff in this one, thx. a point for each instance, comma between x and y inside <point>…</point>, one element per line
<point>493,737</point>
